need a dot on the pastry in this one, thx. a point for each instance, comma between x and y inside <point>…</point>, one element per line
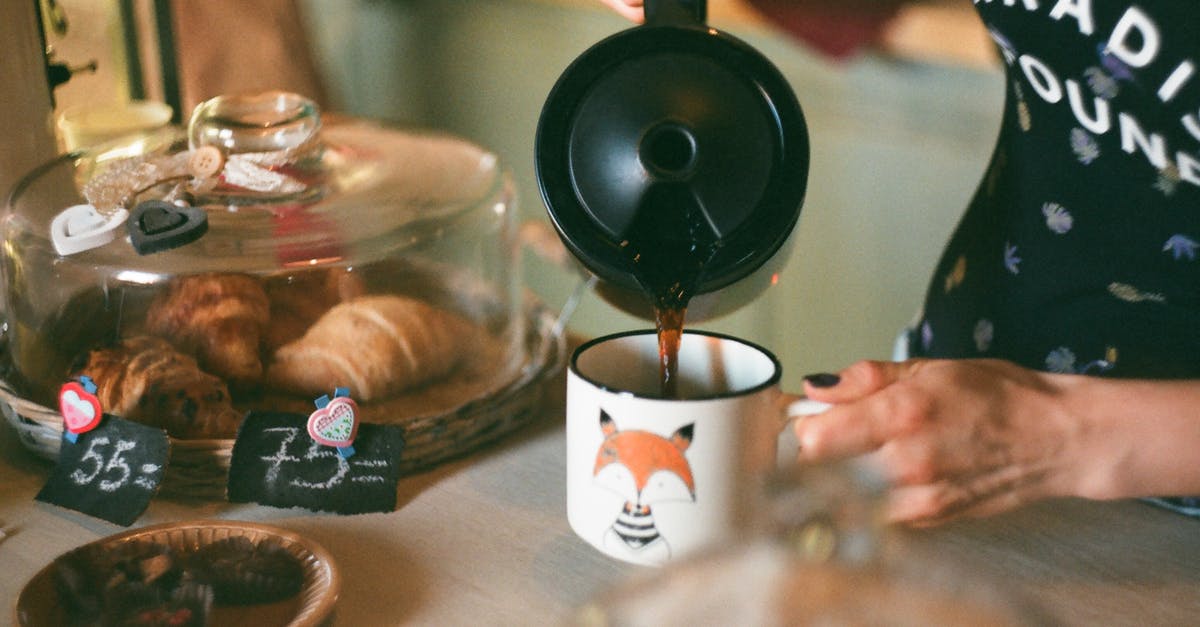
<point>377,346</point>
<point>147,380</point>
<point>136,583</point>
<point>243,572</point>
<point>298,301</point>
<point>219,319</point>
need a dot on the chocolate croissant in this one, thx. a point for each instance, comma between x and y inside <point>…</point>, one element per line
<point>218,318</point>
<point>377,346</point>
<point>147,380</point>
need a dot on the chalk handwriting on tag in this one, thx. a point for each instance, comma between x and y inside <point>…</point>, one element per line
<point>110,472</point>
<point>275,462</point>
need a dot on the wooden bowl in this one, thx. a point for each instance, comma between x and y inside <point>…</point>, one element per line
<point>38,604</point>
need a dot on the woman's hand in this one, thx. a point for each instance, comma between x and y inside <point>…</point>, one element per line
<point>629,9</point>
<point>956,437</point>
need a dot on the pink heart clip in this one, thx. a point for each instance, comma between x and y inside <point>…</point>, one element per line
<point>335,422</point>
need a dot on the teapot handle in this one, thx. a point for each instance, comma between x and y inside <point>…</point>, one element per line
<point>676,12</point>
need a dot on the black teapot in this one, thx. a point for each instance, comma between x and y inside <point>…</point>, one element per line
<point>673,160</point>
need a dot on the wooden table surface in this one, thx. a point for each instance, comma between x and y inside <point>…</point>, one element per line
<point>484,541</point>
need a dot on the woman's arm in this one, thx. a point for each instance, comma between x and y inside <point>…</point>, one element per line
<point>976,437</point>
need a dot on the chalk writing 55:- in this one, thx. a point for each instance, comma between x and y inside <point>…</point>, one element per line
<point>112,471</point>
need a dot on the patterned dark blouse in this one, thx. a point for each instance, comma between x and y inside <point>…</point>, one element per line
<point>1080,252</point>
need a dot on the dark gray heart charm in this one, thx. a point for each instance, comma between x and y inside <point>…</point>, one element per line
<point>157,225</point>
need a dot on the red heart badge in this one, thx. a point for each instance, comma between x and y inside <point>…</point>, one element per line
<point>79,407</point>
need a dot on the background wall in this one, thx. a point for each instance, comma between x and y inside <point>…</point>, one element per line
<point>897,149</point>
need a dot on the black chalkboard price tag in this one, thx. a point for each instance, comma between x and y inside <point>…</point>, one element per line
<point>275,462</point>
<point>110,472</point>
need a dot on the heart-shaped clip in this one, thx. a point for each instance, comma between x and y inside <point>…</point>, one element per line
<point>81,227</point>
<point>335,423</point>
<point>157,225</point>
<point>80,408</point>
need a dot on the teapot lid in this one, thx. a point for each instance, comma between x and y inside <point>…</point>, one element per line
<point>672,117</point>
<point>270,185</point>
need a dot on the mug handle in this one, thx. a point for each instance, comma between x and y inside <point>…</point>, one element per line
<point>793,406</point>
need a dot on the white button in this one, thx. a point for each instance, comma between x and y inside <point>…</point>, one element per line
<point>206,162</point>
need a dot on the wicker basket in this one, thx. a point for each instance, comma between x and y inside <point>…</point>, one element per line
<point>200,468</point>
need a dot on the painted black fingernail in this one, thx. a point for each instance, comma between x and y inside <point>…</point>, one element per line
<point>823,380</point>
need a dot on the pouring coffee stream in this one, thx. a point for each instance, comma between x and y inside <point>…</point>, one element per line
<point>670,245</point>
<point>673,161</point>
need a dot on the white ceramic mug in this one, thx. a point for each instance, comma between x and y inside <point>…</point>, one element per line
<point>651,479</point>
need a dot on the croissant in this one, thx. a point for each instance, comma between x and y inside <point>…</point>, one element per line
<point>377,346</point>
<point>298,301</point>
<point>218,318</point>
<point>147,380</point>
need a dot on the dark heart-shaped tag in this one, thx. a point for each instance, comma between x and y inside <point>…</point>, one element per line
<point>157,220</point>
<point>157,225</point>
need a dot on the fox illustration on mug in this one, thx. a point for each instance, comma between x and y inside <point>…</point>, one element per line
<point>644,468</point>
